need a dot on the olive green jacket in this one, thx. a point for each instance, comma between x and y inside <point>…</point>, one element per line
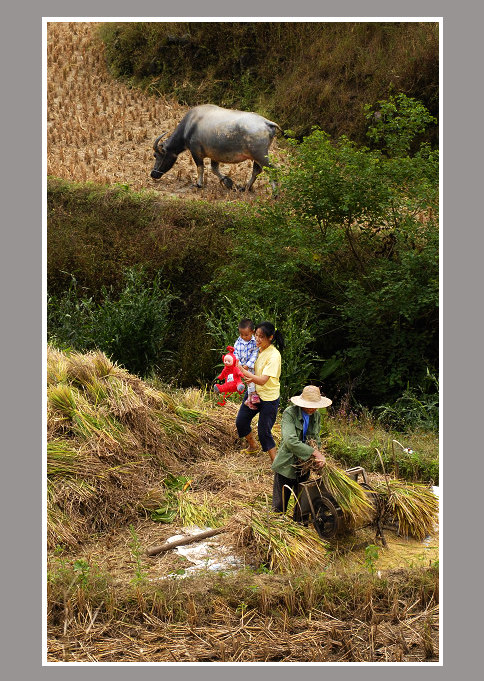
<point>292,449</point>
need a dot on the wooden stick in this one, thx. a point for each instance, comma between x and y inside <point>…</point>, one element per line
<point>185,540</point>
<point>384,471</point>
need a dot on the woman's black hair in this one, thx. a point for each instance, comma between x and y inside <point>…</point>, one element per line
<point>268,329</point>
<point>246,324</point>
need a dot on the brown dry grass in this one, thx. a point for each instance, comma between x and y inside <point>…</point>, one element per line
<point>99,130</point>
<point>100,495</point>
<point>244,617</point>
<point>112,439</point>
<point>248,637</point>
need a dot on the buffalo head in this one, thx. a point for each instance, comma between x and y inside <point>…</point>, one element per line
<point>164,159</point>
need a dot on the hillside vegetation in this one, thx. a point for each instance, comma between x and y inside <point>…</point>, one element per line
<point>345,262</point>
<point>297,73</point>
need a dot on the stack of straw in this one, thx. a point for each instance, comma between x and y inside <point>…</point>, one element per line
<point>278,542</point>
<point>349,495</point>
<point>415,507</point>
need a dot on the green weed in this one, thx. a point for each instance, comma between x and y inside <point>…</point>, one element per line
<point>140,572</point>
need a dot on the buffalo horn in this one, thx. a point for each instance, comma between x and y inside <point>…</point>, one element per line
<point>155,145</point>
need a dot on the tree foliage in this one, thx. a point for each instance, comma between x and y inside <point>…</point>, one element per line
<point>353,238</point>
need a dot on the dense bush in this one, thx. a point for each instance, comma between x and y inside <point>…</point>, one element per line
<point>131,328</point>
<point>298,73</point>
<point>353,239</point>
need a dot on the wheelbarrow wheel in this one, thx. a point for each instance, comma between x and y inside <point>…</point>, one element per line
<point>328,517</point>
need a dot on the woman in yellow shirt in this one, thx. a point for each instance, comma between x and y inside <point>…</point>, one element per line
<point>267,371</point>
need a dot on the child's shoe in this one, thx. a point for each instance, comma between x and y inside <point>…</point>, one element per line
<point>249,404</point>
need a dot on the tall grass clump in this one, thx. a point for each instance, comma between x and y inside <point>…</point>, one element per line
<point>299,73</point>
<point>132,328</point>
<point>416,409</point>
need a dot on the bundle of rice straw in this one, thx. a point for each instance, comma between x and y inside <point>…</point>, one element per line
<point>415,507</point>
<point>349,495</point>
<point>175,503</point>
<point>277,541</point>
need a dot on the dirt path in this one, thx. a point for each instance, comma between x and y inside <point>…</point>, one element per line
<point>101,131</point>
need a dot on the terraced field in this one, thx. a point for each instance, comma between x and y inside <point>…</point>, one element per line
<point>101,131</point>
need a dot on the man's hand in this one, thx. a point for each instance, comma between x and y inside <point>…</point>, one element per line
<point>319,457</point>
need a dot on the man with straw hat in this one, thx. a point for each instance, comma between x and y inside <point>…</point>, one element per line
<point>300,424</point>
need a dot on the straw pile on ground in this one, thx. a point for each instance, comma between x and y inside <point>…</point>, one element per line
<point>277,542</point>
<point>413,507</point>
<point>112,440</point>
<point>128,467</point>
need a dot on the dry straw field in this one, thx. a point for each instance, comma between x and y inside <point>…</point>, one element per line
<point>101,131</point>
<point>129,466</point>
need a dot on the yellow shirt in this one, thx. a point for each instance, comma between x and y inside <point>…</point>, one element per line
<point>268,363</point>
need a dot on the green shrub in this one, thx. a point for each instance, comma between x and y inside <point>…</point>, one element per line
<point>416,408</point>
<point>353,240</point>
<point>396,122</point>
<point>131,328</point>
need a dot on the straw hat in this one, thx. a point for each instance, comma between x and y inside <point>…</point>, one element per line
<point>311,398</point>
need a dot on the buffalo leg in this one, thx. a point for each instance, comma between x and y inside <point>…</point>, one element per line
<point>256,170</point>
<point>259,165</point>
<point>224,179</point>
<point>199,163</point>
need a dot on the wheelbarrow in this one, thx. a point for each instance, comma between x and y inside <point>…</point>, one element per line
<point>316,505</point>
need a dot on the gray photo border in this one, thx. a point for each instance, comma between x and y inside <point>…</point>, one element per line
<point>23,335</point>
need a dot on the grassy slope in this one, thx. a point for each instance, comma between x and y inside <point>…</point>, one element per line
<point>299,74</point>
<point>95,232</point>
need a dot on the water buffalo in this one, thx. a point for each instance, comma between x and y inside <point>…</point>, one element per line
<point>222,135</point>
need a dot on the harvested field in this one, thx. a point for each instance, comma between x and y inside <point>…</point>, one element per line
<point>101,131</point>
<point>130,466</point>
<point>250,637</point>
